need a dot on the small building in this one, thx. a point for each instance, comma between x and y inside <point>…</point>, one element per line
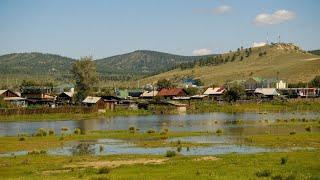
<point>13,98</point>
<point>38,95</point>
<point>215,93</point>
<point>269,93</point>
<point>172,92</point>
<point>65,98</point>
<point>281,85</point>
<point>92,101</point>
<point>148,94</point>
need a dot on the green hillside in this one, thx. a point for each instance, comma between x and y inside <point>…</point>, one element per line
<point>315,52</point>
<point>286,61</point>
<point>141,63</point>
<point>49,67</point>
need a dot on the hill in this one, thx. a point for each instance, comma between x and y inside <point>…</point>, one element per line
<point>286,61</point>
<point>49,67</point>
<point>141,63</point>
<point>315,52</point>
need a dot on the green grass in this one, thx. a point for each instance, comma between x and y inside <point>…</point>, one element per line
<point>144,139</point>
<point>301,165</point>
<point>295,107</point>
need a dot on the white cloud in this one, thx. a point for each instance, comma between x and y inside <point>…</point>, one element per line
<point>222,9</point>
<point>202,52</point>
<point>277,17</point>
<point>258,44</point>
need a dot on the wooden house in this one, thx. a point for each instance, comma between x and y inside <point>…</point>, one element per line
<point>215,93</point>
<point>172,92</point>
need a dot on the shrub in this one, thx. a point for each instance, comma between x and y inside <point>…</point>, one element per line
<point>101,148</point>
<point>219,131</point>
<point>179,148</point>
<point>151,131</point>
<point>77,131</point>
<point>104,170</point>
<point>37,152</point>
<point>41,132</point>
<point>283,160</point>
<point>188,149</point>
<point>292,133</point>
<point>64,129</point>
<point>308,128</point>
<point>22,138</point>
<point>132,129</point>
<point>61,138</point>
<point>170,153</point>
<point>51,132</point>
<point>264,173</point>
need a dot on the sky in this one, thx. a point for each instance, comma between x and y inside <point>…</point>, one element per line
<point>102,28</point>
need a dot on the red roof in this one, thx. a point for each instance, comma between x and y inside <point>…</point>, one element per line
<point>172,92</point>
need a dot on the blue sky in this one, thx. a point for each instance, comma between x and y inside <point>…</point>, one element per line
<point>104,28</point>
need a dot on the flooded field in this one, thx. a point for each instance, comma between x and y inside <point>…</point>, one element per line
<point>186,122</point>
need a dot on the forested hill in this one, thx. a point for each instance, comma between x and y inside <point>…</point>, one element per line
<point>141,62</point>
<point>34,64</point>
<point>121,67</point>
<point>315,52</point>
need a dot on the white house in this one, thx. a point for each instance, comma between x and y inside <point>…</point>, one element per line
<point>281,85</point>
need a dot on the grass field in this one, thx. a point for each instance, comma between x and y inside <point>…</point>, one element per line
<point>293,66</point>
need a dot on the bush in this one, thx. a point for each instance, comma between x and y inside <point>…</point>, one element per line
<point>219,131</point>
<point>41,132</point>
<point>64,129</point>
<point>22,138</point>
<point>101,148</point>
<point>132,129</point>
<point>179,148</point>
<point>37,152</point>
<point>264,173</point>
<point>284,160</point>
<point>308,128</point>
<point>104,170</point>
<point>51,132</point>
<point>77,131</point>
<point>292,133</point>
<point>170,153</point>
<point>151,131</point>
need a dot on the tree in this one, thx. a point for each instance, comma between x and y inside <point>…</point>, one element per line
<point>198,82</point>
<point>85,75</point>
<point>191,91</point>
<point>234,93</point>
<point>164,83</point>
<point>316,81</point>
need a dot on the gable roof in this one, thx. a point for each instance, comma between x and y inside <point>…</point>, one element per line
<point>149,94</point>
<point>70,94</point>
<point>5,90</point>
<point>91,100</point>
<point>214,91</point>
<point>171,92</point>
<point>2,91</point>
<point>267,91</point>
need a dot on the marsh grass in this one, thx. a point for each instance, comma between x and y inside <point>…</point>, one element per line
<point>170,153</point>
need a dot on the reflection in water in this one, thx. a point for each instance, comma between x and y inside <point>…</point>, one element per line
<point>185,122</point>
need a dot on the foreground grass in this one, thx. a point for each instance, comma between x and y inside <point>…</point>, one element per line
<point>73,116</point>
<point>291,165</point>
<point>294,107</point>
<point>144,139</point>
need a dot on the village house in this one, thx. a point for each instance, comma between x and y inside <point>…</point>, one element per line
<point>99,102</point>
<point>171,93</point>
<point>38,95</point>
<point>281,85</point>
<point>215,93</point>
<point>149,94</point>
<point>12,98</point>
<point>267,93</point>
<point>65,98</point>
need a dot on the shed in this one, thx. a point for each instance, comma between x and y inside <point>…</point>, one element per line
<point>267,92</point>
<point>215,93</point>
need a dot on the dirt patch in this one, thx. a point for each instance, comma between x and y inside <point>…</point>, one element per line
<point>207,158</point>
<point>55,171</point>
<point>116,163</point>
<point>311,59</point>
